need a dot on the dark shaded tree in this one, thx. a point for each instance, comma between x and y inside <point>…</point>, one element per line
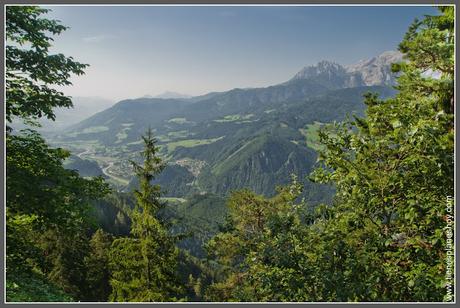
<point>97,267</point>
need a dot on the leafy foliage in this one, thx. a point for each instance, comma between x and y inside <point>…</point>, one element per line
<point>235,248</point>
<point>47,205</point>
<point>394,168</point>
<point>31,70</point>
<point>55,198</point>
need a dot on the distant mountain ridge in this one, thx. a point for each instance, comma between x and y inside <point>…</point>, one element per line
<point>83,108</point>
<point>171,94</point>
<point>168,94</point>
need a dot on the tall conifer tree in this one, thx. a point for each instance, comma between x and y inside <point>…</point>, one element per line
<point>144,265</point>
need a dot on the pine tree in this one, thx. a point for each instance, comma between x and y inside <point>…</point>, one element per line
<point>144,265</point>
<point>97,267</point>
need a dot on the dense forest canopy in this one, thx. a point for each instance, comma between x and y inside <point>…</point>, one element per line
<point>72,238</point>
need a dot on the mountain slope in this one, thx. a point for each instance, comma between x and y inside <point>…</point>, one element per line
<point>223,141</point>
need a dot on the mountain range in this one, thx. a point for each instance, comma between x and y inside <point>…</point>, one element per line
<point>243,138</point>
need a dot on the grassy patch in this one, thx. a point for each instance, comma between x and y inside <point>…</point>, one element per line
<point>234,117</point>
<point>95,129</point>
<point>178,134</point>
<point>246,121</point>
<point>311,133</point>
<point>135,142</point>
<point>190,143</point>
<point>178,120</point>
<point>77,144</point>
<point>163,138</point>
<point>73,134</point>
<point>122,135</point>
<point>174,199</point>
<point>117,181</point>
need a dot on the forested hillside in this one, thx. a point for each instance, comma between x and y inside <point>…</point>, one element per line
<point>335,186</point>
<point>226,141</point>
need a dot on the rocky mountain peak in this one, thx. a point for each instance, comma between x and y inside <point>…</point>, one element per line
<point>367,72</point>
<point>323,68</point>
<point>376,70</point>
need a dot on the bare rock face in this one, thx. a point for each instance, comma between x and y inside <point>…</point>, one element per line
<point>377,70</point>
<point>369,72</point>
<point>323,68</point>
<point>330,74</point>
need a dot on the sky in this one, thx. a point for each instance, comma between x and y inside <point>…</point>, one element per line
<point>135,51</point>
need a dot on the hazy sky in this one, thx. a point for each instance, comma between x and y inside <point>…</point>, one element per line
<point>146,50</point>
